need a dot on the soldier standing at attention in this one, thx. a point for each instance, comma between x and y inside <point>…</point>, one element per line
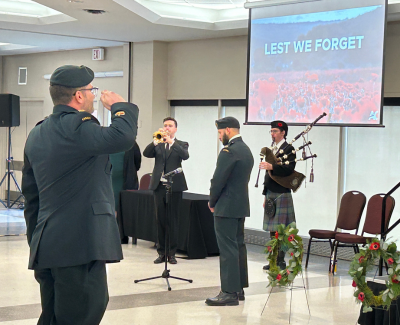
<point>69,211</point>
<point>229,201</point>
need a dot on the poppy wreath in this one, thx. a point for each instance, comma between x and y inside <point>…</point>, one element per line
<point>287,239</point>
<point>363,262</point>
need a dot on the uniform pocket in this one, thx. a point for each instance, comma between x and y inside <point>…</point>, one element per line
<point>102,208</point>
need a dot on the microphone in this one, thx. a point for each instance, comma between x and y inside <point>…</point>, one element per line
<point>174,172</point>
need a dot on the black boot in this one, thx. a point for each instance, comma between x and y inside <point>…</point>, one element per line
<point>281,260</point>
<point>241,295</point>
<point>224,299</point>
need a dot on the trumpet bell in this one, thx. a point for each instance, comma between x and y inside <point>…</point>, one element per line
<point>159,136</point>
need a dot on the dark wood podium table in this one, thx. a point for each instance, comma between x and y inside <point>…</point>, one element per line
<point>196,235</point>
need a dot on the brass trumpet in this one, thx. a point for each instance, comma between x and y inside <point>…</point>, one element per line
<point>159,136</point>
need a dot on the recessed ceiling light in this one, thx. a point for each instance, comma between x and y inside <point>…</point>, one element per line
<point>94,11</point>
<point>75,1</point>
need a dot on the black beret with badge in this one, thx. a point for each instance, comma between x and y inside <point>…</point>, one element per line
<point>280,125</point>
<point>227,122</point>
<point>72,76</point>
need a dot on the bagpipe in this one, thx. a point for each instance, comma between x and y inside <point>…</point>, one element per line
<point>294,180</point>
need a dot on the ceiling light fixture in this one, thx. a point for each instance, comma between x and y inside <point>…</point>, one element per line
<point>94,11</point>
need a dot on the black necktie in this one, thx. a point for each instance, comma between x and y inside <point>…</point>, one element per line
<point>167,148</point>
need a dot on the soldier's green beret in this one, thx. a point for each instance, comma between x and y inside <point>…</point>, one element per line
<point>72,76</point>
<point>227,122</point>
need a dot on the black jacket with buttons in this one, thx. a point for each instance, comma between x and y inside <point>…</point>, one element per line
<point>167,162</point>
<point>229,191</point>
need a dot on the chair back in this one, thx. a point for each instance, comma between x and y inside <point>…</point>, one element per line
<point>373,218</point>
<point>351,208</point>
<point>145,182</point>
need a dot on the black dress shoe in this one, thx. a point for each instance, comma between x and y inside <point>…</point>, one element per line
<point>282,266</point>
<point>241,295</point>
<point>125,240</point>
<point>159,259</point>
<point>172,259</point>
<point>224,299</point>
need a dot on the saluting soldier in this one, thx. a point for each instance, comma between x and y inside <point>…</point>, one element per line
<point>229,201</point>
<point>69,210</point>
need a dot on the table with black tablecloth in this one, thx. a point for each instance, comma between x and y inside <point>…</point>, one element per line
<point>196,236</point>
<point>379,316</point>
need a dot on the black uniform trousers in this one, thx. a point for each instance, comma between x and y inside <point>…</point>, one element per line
<point>75,295</point>
<point>160,196</point>
<point>233,253</point>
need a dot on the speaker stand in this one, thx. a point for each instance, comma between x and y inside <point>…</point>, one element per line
<point>8,174</point>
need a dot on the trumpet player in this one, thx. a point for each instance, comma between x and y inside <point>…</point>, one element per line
<point>278,201</point>
<point>168,152</point>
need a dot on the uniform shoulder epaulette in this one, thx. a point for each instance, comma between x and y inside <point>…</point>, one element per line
<point>82,117</point>
<point>40,122</point>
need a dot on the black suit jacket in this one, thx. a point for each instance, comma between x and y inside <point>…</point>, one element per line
<point>132,162</point>
<point>166,162</point>
<point>229,192</point>
<point>280,170</point>
<point>66,181</point>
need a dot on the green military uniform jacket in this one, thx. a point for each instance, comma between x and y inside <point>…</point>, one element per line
<point>66,182</point>
<point>229,193</point>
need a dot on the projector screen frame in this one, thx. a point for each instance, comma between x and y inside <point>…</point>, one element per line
<point>379,125</point>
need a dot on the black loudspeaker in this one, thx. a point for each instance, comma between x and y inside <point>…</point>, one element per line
<point>9,110</point>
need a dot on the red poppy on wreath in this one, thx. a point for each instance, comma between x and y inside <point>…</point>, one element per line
<point>354,284</point>
<point>291,238</point>
<point>291,254</point>
<point>288,272</point>
<point>269,249</point>
<point>280,124</point>
<point>276,235</point>
<point>390,261</point>
<point>361,296</point>
<point>279,277</point>
<point>361,259</point>
<point>374,246</point>
<point>394,280</point>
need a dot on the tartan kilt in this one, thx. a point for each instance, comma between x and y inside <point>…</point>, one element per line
<point>284,213</point>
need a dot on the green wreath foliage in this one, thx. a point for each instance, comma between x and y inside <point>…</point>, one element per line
<point>363,262</point>
<point>287,239</point>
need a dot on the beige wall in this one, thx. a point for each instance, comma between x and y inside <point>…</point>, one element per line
<point>150,69</point>
<point>208,69</point>
<point>392,66</point>
<point>40,64</point>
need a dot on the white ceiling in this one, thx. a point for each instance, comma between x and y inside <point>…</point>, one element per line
<point>126,21</point>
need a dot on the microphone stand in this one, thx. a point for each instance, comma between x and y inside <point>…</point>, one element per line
<point>166,273</point>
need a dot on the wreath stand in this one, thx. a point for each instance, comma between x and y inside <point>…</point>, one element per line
<point>287,235</point>
<point>292,287</point>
